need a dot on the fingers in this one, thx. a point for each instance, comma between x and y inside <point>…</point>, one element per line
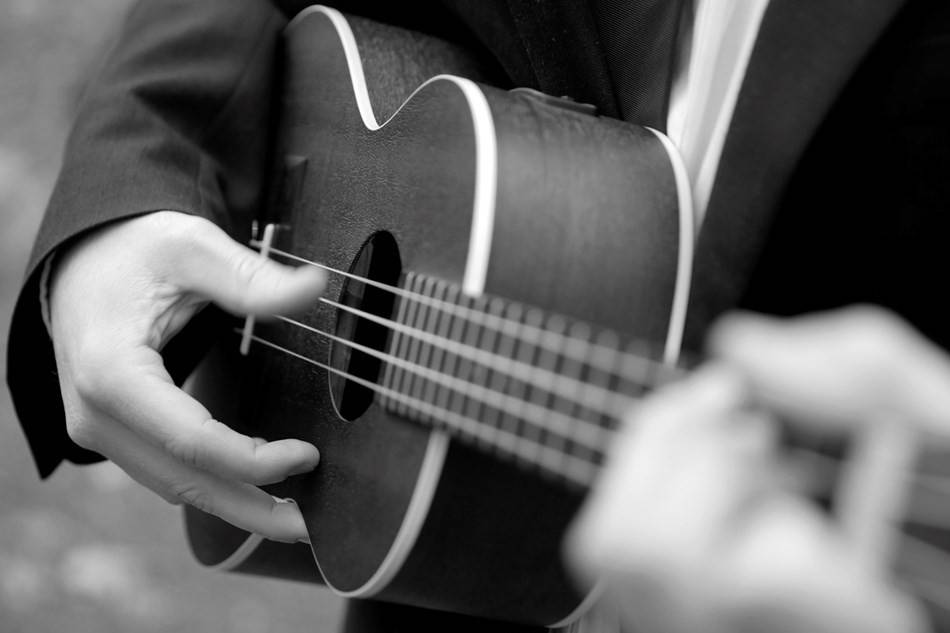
<point>691,530</point>
<point>789,570</point>
<point>847,366</point>
<point>667,499</point>
<point>136,389</point>
<point>242,505</point>
<point>105,318</point>
<point>238,279</point>
<point>116,297</point>
<point>682,462</point>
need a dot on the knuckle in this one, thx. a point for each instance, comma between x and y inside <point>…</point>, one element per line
<point>95,379</point>
<point>186,450</point>
<point>198,230</point>
<point>177,227</point>
<point>170,497</point>
<point>187,237</point>
<point>83,432</point>
<point>876,333</point>
<point>248,267</point>
<point>871,321</point>
<point>194,495</point>
<point>252,277</point>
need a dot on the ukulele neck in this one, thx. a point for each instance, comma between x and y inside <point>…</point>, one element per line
<point>529,385</point>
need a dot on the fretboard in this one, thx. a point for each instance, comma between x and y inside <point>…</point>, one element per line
<point>536,387</point>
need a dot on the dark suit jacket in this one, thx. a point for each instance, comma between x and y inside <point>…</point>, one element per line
<point>833,186</point>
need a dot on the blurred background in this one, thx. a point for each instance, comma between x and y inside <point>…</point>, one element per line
<point>88,551</point>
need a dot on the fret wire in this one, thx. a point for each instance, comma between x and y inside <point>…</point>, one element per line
<point>434,357</point>
<point>578,330</point>
<point>461,399</point>
<point>594,398</point>
<point>575,469</point>
<point>474,407</point>
<point>470,314</point>
<point>417,345</point>
<point>600,378</point>
<point>469,406</point>
<point>505,349</point>
<point>398,343</point>
<point>456,330</point>
<point>494,377</point>
<point>533,434</point>
<point>457,399</point>
<point>542,418</point>
<point>420,357</point>
<point>406,378</point>
<point>551,361</point>
<point>610,382</point>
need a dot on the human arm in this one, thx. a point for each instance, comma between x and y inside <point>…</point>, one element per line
<point>176,118</point>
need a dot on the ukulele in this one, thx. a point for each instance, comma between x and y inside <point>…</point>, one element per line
<point>507,274</point>
<point>452,376</point>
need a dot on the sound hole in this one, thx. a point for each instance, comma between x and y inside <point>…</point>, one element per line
<point>379,261</point>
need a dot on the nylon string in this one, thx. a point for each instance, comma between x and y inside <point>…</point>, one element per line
<point>591,435</point>
<point>595,354</point>
<point>571,467</point>
<point>604,357</point>
<point>583,472</point>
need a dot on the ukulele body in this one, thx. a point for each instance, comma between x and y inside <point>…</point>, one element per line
<point>498,192</point>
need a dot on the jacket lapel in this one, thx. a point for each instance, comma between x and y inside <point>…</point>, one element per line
<point>804,54</point>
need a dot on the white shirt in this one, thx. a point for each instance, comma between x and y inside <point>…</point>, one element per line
<point>714,46</point>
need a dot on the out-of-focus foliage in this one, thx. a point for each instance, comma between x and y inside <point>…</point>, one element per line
<point>89,551</point>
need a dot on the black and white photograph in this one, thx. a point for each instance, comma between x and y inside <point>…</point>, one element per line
<point>494,316</point>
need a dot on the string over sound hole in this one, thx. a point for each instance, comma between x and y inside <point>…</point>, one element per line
<point>378,260</point>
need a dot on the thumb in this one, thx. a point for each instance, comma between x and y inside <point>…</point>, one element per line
<point>240,280</point>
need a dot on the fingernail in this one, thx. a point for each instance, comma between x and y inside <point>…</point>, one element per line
<point>313,276</point>
<point>301,469</point>
<point>306,466</point>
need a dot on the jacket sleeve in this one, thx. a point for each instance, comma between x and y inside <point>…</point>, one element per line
<point>178,117</point>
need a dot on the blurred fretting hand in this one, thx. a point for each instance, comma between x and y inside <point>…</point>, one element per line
<point>692,527</point>
<point>116,298</point>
